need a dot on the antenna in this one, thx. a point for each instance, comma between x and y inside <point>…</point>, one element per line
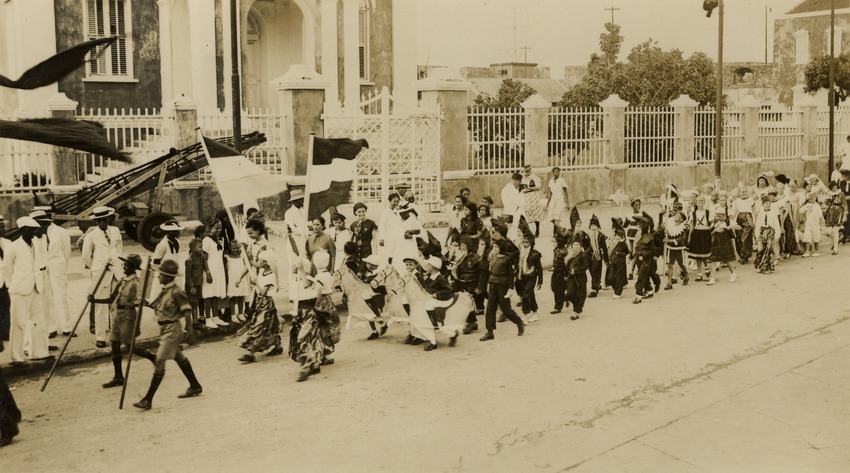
<point>612,9</point>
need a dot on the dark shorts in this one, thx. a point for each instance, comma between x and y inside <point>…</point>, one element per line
<point>123,330</point>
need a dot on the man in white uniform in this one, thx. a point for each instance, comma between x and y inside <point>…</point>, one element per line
<point>102,245</point>
<point>25,271</point>
<point>4,288</point>
<point>56,242</point>
<point>296,224</point>
<point>559,200</point>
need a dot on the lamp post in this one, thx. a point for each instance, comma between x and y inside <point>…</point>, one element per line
<point>831,159</point>
<point>234,76</point>
<point>718,100</point>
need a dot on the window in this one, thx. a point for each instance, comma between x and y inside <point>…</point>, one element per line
<point>801,47</point>
<point>363,43</point>
<point>104,18</point>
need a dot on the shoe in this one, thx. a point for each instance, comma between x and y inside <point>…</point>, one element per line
<point>115,382</point>
<point>302,376</point>
<point>100,344</point>
<point>668,287</point>
<point>208,323</point>
<point>503,318</point>
<point>275,351</point>
<point>698,278</point>
<point>52,348</point>
<point>453,339</point>
<point>327,361</point>
<point>144,404</point>
<point>520,328</point>
<point>430,346</point>
<point>373,336</point>
<point>533,318</point>
<point>574,317</point>
<point>409,339</point>
<point>4,440</point>
<point>710,282</point>
<point>616,296</point>
<point>241,318</point>
<point>219,322</point>
<point>648,295</point>
<point>815,254</point>
<point>487,336</point>
<point>637,300</point>
<point>631,276</point>
<point>806,254</point>
<point>44,358</point>
<point>247,358</point>
<point>555,311</point>
<point>685,281</point>
<point>65,334</point>
<point>417,341</point>
<point>674,281</point>
<point>52,334</point>
<point>91,329</point>
<point>733,277</point>
<point>592,294</point>
<point>383,330</point>
<point>469,328</point>
<point>834,252</point>
<point>192,391</point>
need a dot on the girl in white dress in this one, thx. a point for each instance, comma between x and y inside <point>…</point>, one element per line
<point>238,281</point>
<point>214,289</point>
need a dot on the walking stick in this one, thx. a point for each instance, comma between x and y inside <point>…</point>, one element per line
<point>145,282</point>
<point>73,330</point>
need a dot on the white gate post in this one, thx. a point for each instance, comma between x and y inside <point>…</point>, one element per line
<point>385,144</point>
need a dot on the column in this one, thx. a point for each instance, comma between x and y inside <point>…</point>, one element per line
<point>808,125</point>
<point>301,93</point>
<point>185,122</point>
<point>202,38</point>
<point>330,69</point>
<point>64,159</point>
<point>351,56</point>
<point>683,154</point>
<point>750,130</point>
<point>537,131</point>
<point>166,64</point>
<point>404,50</point>
<point>613,131</point>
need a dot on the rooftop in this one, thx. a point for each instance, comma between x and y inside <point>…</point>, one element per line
<point>811,6</point>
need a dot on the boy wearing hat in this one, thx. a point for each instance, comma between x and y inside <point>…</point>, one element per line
<point>376,297</point>
<point>102,245</point>
<point>124,303</point>
<point>438,286</point>
<point>598,255</point>
<point>616,276</point>
<point>25,272</point>
<point>500,276</point>
<point>56,242</point>
<point>296,225</point>
<point>171,307</point>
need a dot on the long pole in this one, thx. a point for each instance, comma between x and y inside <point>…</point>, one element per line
<point>718,105</point>
<point>765,34</point>
<point>145,282</point>
<point>234,76</point>
<point>831,89</point>
<point>73,330</point>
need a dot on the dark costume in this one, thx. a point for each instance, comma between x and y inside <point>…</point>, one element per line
<point>598,255</point>
<point>361,233</point>
<point>617,275</point>
<point>559,276</point>
<point>529,275</point>
<point>10,415</point>
<point>500,276</point>
<point>576,271</point>
<point>467,276</point>
<point>644,253</point>
<point>262,329</point>
<point>315,331</point>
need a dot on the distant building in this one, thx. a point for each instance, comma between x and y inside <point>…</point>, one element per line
<point>519,70</point>
<point>801,35</point>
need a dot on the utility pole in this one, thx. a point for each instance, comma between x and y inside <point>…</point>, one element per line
<point>766,9</point>
<point>525,61</point>
<point>612,10</point>
<point>718,118</point>
<point>831,89</point>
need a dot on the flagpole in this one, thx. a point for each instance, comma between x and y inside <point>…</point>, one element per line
<point>307,177</point>
<point>207,152</point>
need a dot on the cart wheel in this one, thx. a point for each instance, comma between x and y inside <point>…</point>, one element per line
<point>148,231</point>
<point>131,229</point>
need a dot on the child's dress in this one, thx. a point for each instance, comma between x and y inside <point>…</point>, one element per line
<point>722,244</point>
<point>236,265</point>
<point>814,221</point>
<point>262,330</point>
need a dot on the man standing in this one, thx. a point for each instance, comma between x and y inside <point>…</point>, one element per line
<point>171,307</point>
<point>102,246</point>
<point>296,225</point>
<point>56,242</point>
<point>530,189</point>
<point>559,199</point>
<point>25,270</point>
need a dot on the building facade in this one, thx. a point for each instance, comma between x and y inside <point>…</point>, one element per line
<point>172,48</point>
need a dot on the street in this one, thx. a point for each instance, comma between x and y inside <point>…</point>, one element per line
<point>748,377</point>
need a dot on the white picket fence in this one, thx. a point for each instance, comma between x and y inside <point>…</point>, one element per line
<point>496,140</point>
<point>25,166</point>
<point>575,138</point>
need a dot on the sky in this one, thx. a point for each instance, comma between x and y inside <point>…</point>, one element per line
<point>459,33</point>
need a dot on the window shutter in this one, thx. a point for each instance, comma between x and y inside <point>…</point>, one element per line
<point>362,38</point>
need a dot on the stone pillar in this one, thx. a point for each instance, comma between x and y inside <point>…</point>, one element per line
<point>351,56</point>
<point>64,159</point>
<point>808,125</point>
<point>537,131</point>
<point>202,24</point>
<point>683,154</point>
<point>330,68</point>
<point>614,126</point>
<point>166,64</point>
<point>404,50</point>
<point>446,91</point>
<point>185,122</point>
<point>301,93</point>
<point>750,126</point>
<point>614,132</point>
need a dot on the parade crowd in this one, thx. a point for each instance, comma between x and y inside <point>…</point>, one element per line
<point>395,269</point>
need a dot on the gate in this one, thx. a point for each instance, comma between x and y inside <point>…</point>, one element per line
<point>404,146</point>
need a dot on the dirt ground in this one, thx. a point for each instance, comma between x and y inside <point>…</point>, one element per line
<point>659,386</point>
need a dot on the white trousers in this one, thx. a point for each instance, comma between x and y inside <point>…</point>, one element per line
<point>56,302</point>
<point>101,311</point>
<point>28,313</point>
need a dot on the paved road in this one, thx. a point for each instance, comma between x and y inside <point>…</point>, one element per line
<point>744,377</point>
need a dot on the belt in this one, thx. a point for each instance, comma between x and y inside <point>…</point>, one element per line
<point>165,322</point>
<point>126,306</point>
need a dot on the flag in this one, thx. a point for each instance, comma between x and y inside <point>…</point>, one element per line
<point>55,67</point>
<point>77,134</point>
<point>237,178</point>
<point>332,170</point>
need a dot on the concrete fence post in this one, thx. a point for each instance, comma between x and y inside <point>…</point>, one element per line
<point>614,128</point>
<point>64,160</point>
<point>684,152</point>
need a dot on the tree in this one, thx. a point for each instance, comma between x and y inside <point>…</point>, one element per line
<point>512,93</point>
<point>817,76</point>
<point>602,72</point>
